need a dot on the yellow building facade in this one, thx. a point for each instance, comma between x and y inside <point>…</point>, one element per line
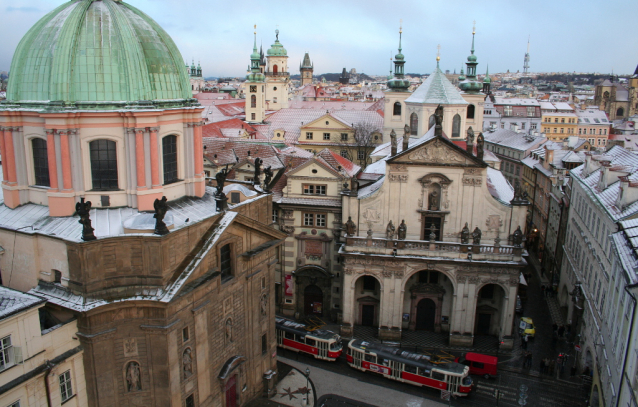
<point>558,126</point>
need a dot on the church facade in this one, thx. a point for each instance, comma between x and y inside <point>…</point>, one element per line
<point>434,244</point>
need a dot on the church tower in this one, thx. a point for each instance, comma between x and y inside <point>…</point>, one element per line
<point>394,110</point>
<point>471,92</point>
<point>255,88</point>
<point>306,68</point>
<point>277,76</point>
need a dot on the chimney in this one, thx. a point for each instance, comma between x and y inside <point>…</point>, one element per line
<point>603,182</point>
<point>622,201</point>
<point>549,157</point>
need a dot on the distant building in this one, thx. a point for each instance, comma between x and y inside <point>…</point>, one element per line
<point>618,100</point>
<point>594,126</point>
<point>344,79</point>
<point>517,114</point>
<point>306,69</point>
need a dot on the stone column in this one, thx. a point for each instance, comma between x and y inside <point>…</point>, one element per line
<point>155,179</point>
<point>53,165</point>
<point>348,298</point>
<point>198,150</point>
<point>3,154</point>
<point>9,156</point>
<point>67,180</point>
<point>139,159</point>
<point>509,308</point>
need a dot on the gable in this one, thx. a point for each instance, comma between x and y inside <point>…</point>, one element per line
<point>306,170</point>
<point>326,122</point>
<point>438,151</point>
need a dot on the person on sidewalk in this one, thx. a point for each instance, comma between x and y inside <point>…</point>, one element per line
<point>524,342</point>
<point>528,360</point>
<point>561,331</point>
<point>525,359</point>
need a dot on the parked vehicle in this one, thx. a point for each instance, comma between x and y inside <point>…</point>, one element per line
<point>409,367</point>
<point>479,364</point>
<point>526,327</point>
<point>298,337</point>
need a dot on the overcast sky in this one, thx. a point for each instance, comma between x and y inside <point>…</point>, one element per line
<point>566,35</point>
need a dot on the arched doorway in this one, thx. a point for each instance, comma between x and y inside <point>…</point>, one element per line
<point>368,300</point>
<point>275,69</point>
<point>313,286</point>
<point>425,314</point>
<point>428,307</point>
<point>489,310</point>
<point>313,300</point>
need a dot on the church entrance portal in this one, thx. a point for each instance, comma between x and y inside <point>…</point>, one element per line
<point>483,326</point>
<point>231,392</point>
<point>425,314</point>
<point>313,300</point>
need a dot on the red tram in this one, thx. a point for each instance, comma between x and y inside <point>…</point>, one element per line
<point>409,367</point>
<point>320,343</point>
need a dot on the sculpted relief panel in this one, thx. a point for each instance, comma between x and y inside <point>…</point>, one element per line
<point>437,152</point>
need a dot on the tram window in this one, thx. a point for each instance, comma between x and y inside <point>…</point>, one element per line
<point>370,358</point>
<point>478,365</point>
<point>410,369</point>
<point>310,342</point>
<point>290,336</point>
<point>385,362</point>
<point>438,376</point>
<point>425,373</point>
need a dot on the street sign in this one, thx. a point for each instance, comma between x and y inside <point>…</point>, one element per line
<point>577,348</point>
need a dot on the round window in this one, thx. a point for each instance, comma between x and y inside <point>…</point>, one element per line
<point>327,123</point>
<point>314,171</point>
<point>275,88</point>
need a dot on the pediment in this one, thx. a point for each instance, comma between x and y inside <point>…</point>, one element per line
<point>332,123</point>
<point>438,151</point>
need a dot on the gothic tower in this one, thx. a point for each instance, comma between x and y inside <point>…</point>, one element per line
<point>255,88</point>
<point>306,68</point>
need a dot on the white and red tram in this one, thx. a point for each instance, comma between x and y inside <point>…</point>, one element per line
<point>320,343</point>
<point>409,367</point>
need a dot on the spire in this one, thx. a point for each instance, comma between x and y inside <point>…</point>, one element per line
<point>438,55</point>
<point>255,74</point>
<point>473,33</point>
<point>398,83</point>
<point>400,32</point>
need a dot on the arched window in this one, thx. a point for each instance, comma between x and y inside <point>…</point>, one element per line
<point>456,126</point>
<point>470,111</point>
<point>225,263</point>
<point>414,124</point>
<point>397,109</point>
<point>103,165</point>
<point>620,112</point>
<point>431,122</point>
<point>169,155</point>
<point>253,101</point>
<point>40,162</point>
<point>275,69</point>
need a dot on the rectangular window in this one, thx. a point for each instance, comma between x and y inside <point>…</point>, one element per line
<point>344,136</point>
<point>523,126</point>
<point>321,220</point>
<point>308,135</point>
<point>190,401</point>
<point>225,264</point>
<point>531,111</point>
<point>311,189</point>
<point>234,197</point>
<point>308,219</point>
<point>40,162</point>
<point>66,391</point>
<point>532,126</point>
<point>252,116</point>
<point>326,136</point>
<point>264,344</point>
<point>507,111</point>
<point>275,215</point>
<point>185,334</point>
<point>169,158</point>
<point>6,353</point>
<point>361,155</point>
<point>344,153</point>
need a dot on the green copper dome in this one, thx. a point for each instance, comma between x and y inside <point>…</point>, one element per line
<point>99,54</point>
<point>277,49</point>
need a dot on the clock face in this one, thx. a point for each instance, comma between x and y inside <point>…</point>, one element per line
<point>253,88</point>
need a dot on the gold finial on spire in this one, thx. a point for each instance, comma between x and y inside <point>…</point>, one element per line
<point>400,26</point>
<point>255,29</point>
<point>474,27</point>
<point>438,53</point>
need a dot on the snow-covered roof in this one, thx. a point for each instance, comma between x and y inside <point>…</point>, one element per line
<point>107,222</point>
<point>14,301</point>
<point>499,187</point>
<point>437,89</point>
<point>513,140</point>
<point>367,191</point>
<point>63,297</point>
<point>239,188</point>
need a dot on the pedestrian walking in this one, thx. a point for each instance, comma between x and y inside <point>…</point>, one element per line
<point>528,359</point>
<point>545,366</point>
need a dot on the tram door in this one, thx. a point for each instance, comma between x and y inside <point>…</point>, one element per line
<point>280,337</point>
<point>396,367</point>
<point>453,383</point>
<point>322,349</point>
<point>357,356</point>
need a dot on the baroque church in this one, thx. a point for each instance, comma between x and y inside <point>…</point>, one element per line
<point>105,214</point>
<point>435,243</point>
